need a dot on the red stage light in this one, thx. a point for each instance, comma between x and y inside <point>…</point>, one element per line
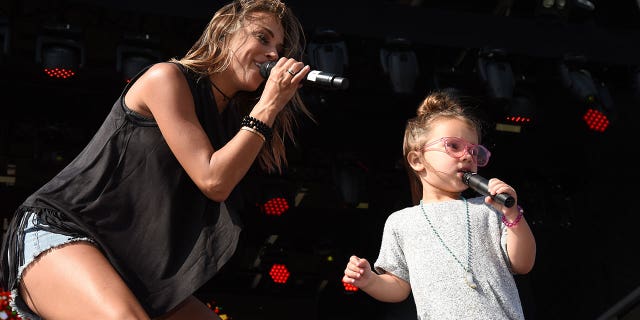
<point>518,119</point>
<point>59,73</point>
<point>349,287</point>
<point>279,273</point>
<point>60,50</point>
<point>596,120</point>
<point>275,206</point>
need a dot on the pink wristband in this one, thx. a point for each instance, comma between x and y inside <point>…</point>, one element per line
<point>514,222</point>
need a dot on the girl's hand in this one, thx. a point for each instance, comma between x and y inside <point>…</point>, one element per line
<point>498,186</point>
<point>358,272</point>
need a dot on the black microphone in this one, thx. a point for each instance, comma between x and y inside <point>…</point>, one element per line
<point>481,185</point>
<point>315,78</point>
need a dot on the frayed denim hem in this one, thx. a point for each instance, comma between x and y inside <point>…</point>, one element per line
<point>17,303</point>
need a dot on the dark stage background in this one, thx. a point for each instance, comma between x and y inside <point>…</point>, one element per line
<point>344,177</point>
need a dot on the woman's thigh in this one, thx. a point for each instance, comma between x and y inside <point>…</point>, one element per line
<point>76,281</point>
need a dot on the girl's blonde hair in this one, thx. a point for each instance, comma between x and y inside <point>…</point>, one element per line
<point>437,105</point>
<point>211,54</point>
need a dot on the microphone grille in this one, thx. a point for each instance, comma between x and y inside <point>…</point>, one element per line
<point>265,68</point>
<point>466,176</point>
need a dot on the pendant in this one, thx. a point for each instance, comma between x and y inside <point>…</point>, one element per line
<point>469,280</point>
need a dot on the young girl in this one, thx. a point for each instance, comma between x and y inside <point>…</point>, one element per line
<point>456,255</point>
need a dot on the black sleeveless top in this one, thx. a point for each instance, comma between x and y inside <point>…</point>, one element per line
<point>127,191</point>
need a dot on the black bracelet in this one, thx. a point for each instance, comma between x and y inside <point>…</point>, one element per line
<point>259,126</point>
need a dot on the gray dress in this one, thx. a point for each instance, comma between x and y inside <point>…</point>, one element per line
<point>412,251</point>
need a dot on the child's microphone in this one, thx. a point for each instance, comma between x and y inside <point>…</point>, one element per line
<point>481,186</point>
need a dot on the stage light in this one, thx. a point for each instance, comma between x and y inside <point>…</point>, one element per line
<point>400,63</point>
<point>551,8</point>
<point>596,120</point>
<point>275,195</point>
<point>548,4</point>
<point>591,97</point>
<point>349,287</point>
<point>279,273</point>
<point>275,206</point>
<point>270,260</point>
<point>496,74</point>
<point>585,5</point>
<point>520,112</point>
<point>327,51</point>
<point>59,51</point>
<point>585,89</point>
<point>135,53</point>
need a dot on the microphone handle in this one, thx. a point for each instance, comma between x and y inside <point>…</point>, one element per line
<point>505,199</point>
<point>479,184</point>
<point>314,77</point>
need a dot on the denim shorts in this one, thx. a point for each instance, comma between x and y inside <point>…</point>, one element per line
<point>36,242</point>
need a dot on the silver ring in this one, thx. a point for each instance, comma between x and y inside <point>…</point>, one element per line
<point>291,72</point>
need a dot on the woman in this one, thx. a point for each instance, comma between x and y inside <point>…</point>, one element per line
<point>147,212</point>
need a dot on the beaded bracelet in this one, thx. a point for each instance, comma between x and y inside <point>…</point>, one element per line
<point>254,131</point>
<point>514,222</point>
<point>258,126</point>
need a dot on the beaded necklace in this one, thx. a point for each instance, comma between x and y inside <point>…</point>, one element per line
<point>468,276</point>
